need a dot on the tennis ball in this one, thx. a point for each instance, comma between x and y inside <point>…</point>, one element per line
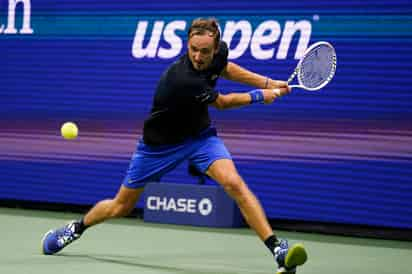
<point>69,130</point>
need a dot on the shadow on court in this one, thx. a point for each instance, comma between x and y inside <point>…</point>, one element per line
<point>130,245</point>
<point>134,262</point>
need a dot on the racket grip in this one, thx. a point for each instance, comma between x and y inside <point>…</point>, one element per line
<point>277,92</point>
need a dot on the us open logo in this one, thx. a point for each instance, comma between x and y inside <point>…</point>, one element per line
<point>267,40</point>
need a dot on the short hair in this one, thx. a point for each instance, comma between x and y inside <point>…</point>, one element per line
<point>201,26</point>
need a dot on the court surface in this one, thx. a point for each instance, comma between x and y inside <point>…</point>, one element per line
<point>131,246</point>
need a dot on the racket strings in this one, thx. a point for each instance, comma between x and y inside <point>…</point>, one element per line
<point>318,67</point>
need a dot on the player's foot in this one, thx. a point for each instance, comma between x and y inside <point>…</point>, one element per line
<point>288,258</point>
<point>55,240</point>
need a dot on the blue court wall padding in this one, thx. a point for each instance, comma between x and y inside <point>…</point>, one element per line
<point>341,155</point>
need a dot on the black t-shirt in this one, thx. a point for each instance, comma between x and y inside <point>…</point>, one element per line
<point>180,104</point>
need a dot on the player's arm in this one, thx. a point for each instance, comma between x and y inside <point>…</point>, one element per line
<point>268,91</point>
<point>239,74</point>
<point>238,99</point>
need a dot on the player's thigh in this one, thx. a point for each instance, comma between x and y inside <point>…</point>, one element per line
<point>149,166</point>
<point>207,152</point>
<point>225,173</point>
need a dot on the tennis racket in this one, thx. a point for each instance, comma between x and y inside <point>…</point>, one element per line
<point>316,68</point>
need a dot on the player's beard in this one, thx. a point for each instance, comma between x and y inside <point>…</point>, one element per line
<point>201,65</point>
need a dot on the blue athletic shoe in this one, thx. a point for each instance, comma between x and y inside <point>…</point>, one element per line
<point>288,258</point>
<point>55,240</point>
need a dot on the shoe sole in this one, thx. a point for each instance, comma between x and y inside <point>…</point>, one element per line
<point>42,242</point>
<point>296,256</point>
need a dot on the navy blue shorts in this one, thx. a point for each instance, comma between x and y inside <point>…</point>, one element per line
<point>150,163</point>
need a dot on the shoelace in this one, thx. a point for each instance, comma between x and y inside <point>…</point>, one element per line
<point>281,251</point>
<point>67,236</point>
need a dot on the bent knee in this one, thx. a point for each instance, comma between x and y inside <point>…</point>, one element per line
<point>234,185</point>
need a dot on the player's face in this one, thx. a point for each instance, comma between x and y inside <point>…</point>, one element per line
<point>201,49</point>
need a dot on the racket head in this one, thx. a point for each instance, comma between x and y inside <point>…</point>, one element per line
<point>317,66</point>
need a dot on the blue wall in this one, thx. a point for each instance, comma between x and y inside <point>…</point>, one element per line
<point>341,155</point>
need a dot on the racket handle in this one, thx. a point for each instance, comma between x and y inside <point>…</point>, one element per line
<point>277,92</point>
<point>295,86</point>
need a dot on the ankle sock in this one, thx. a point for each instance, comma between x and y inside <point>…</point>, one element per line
<point>271,243</point>
<point>80,226</point>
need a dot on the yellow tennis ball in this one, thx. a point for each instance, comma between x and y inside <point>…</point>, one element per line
<point>69,130</point>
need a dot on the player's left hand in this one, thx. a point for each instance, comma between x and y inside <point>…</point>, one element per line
<point>271,94</point>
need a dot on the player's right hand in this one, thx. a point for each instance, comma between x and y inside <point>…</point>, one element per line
<point>271,94</point>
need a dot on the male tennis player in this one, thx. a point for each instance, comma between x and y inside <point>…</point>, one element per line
<point>178,129</point>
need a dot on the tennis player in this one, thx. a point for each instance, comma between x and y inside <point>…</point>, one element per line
<point>179,128</point>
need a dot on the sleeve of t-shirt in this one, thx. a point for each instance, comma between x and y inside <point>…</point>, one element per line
<point>219,64</point>
<point>208,96</point>
<point>220,61</point>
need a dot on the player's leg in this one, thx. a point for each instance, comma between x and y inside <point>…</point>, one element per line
<point>148,164</point>
<point>121,205</point>
<point>224,172</point>
<point>212,158</point>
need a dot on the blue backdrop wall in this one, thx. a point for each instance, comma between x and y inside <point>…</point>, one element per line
<point>341,155</point>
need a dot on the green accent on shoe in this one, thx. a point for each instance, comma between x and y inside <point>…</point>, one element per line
<point>296,256</point>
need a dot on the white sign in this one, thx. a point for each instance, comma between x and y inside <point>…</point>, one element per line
<point>260,41</point>
<point>11,18</point>
<point>204,206</point>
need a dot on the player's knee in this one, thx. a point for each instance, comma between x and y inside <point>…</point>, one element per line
<point>234,185</point>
